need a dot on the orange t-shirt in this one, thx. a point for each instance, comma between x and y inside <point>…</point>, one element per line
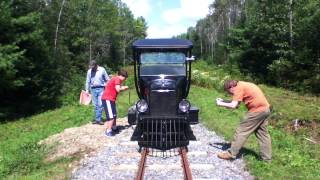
<point>251,95</point>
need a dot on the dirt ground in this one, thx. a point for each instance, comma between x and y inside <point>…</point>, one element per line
<point>80,141</point>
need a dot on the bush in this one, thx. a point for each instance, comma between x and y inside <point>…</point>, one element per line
<point>213,76</point>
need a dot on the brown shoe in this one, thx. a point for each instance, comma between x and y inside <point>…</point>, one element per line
<point>225,155</point>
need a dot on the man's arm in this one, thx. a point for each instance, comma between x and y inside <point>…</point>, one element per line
<point>233,104</point>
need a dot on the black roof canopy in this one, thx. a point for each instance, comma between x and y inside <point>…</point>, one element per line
<point>162,43</point>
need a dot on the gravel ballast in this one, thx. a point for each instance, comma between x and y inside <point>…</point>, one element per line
<point>119,160</point>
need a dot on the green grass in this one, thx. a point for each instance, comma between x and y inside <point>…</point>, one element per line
<point>293,156</point>
<point>20,155</point>
<point>19,150</point>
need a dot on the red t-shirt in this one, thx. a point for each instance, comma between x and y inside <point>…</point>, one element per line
<point>251,95</point>
<point>110,93</point>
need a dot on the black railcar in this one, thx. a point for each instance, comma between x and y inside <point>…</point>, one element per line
<point>163,114</point>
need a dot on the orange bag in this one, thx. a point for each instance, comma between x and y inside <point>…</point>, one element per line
<point>85,98</point>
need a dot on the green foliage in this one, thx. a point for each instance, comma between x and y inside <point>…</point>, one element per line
<point>213,76</point>
<point>26,158</point>
<point>274,42</point>
<point>72,89</point>
<point>19,149</point>
<point>45,47</point>
<point>269,56</point>
<point>27,71</point>
<point>9,55</point>
<point>267,34</point>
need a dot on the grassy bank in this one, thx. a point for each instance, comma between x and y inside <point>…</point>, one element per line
<point>19,150</point>
<point>294,156</point>
<point>20,155</point>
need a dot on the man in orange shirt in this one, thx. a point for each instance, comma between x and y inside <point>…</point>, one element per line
<point>254,121</point>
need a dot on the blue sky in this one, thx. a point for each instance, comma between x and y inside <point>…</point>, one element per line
<point>166,18</point>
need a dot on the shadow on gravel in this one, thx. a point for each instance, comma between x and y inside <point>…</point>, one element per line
<point>121,127</point>
<point>243,151</point>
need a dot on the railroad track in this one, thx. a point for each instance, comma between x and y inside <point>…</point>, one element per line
<point>120,160</point>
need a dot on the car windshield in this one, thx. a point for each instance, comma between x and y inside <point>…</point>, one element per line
<point>167,63</point>
<point>162,58</point>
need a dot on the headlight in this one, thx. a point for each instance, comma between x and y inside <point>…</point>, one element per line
<point>142,105</point>
<point>184,105</point>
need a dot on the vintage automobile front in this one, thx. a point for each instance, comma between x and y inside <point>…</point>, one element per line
<point>162,114</point>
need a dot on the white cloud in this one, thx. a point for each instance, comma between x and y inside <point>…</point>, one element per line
<point>172,16</point>
<point>174,21</point>
<point>190,10</point>
<point>139,7</point>
<point>195,9</point>
<point>165,31</point>
<point>179,19</point>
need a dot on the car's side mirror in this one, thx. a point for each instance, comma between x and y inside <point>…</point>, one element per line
<point>192,58</point>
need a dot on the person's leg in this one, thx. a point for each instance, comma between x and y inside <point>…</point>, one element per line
<point>109,115</point>
<point>114,111</point>
<point>250,123</point>
<point>95,103</point>
<point>109,125</point>
<point>99,105</point>
<point>264,139</point>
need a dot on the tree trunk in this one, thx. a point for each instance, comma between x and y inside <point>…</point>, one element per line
<point>201,46</point>
<point>90,50</point>
<point>57,27</point>
<point>290,24</point>
<point>124,56</point>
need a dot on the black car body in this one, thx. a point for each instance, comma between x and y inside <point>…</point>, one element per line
<point>162,78</point>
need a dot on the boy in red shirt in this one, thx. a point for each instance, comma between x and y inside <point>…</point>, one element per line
<point>109,97</point>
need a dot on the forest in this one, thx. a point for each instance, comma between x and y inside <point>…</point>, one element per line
<point>45,45</point>
<point>272,41</point>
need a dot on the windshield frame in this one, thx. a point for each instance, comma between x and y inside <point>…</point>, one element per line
<point>166,68</point>
<point>158,58</point>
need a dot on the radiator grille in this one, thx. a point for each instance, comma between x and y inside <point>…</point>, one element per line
<point>163,133</point>
<point>163,102</point>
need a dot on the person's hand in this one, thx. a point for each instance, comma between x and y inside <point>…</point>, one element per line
<point>218,101</point>
<point>125,88</point>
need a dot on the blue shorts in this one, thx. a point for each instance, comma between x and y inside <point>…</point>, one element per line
<point>110,109</point>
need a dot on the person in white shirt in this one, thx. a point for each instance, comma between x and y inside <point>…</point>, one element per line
<point>96,80</point>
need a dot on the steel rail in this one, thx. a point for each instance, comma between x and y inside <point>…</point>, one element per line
<point>142,164</point>
<point>184,161</point>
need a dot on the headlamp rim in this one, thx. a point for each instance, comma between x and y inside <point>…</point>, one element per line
<point>139,102</point>
<point>188,106</point>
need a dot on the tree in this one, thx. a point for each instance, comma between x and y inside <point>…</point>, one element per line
<point>273,41</point>
<point>46,45</point>
<point>28,82</point>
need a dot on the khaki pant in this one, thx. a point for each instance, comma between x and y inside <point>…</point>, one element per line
<point>253,123</point>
